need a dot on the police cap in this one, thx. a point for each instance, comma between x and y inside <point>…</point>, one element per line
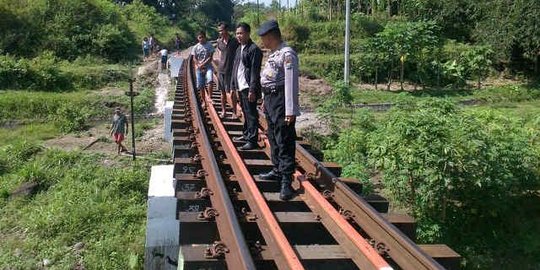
<point>267,26</point>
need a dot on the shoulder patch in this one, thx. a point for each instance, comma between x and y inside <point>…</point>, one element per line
<point>289,61</point>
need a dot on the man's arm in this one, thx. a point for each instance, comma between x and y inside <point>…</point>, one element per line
<point>127,125</point>
<point>207,59</point>
<point>255,76</point>
<point>290,63</point>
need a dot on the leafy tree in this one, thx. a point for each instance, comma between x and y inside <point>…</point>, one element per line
<point>478,62</point>
<point>405,41</point>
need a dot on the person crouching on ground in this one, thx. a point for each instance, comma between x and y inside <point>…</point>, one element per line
<point>202,54</point>
<point>119,128</point>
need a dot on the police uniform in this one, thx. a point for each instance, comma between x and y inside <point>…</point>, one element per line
<point>279,81</point>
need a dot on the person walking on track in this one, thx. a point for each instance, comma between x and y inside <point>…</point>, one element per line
<point>119,128</point>
<point>279,80</point>
<point>202,54</point>
<point>226,47</point>
<point>247,80</point>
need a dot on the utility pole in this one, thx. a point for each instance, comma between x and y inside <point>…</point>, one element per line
<point>132,94</point>
<point>347,40</point>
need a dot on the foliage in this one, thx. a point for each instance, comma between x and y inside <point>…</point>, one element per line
<point>69,28</point>
<point>71,119</point>
<point>39,73</point>
<point>453,168</point>
<point>79,200</point>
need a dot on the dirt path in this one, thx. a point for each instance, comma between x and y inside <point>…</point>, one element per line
<point>162,90</point>
<point>97,139</point>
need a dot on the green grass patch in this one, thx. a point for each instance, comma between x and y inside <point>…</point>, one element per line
<point>69,111</point>
<point>32,132</point>
<point>78,199</point>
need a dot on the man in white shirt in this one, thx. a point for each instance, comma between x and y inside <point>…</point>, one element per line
<point>246,80</point>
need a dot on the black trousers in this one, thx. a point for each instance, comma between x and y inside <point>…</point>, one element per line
<point>251,117</point>
<point>282,137</point>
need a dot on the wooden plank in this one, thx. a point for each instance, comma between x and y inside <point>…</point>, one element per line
<point>194,253</point>
<point>444,255</point>
<point>405,223</point>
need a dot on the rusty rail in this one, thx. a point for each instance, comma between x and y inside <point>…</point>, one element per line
<point>389,240</point>
<point>357,236</point>
<point>232,244</point>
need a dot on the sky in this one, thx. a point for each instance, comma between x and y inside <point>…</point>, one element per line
<point>267,2</point>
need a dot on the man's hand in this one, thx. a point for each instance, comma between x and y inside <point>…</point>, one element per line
<point>252,97</point>
<point>290,119</point>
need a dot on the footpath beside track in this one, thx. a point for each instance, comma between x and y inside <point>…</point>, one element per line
<point>231,219</point>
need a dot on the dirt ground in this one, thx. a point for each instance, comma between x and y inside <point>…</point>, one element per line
<point>97,138</point>
<point>309,120</point>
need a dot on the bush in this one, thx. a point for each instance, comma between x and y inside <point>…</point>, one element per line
<point>70,118</point>
<point>451,166</point>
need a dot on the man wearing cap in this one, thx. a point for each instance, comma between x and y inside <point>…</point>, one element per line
<point>226,47</point>
<point>247,80</point>
<point>279,81</point>
<point>119,127</point>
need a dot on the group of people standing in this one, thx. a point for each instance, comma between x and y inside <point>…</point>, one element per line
<point>241,78</point>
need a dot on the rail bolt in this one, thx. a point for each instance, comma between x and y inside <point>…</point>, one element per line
<point>327,194</point>
<point>203,193</point>
<point>200,174</point>
<point>380,247</point>
<point>208,214</point>
<point>196,158</point>
<point>347,214</point>
<point>256,248</point>
<point>217,250</point>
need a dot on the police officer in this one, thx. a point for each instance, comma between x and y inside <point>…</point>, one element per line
<point>279,81</point>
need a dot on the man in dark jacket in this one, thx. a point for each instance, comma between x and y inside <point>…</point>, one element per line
<point>246,79</point>
<point>226,46</point>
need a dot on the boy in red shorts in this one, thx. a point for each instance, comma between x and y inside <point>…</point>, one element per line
<point>119,128</point>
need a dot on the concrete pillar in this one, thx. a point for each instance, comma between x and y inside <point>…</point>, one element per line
<point>167,114</point>
<point>162,227</point>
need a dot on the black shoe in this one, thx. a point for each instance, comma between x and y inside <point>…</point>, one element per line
<point>271,175</point>
<point>287,192</point>
<point>248,146</point>
<point>239,139</point>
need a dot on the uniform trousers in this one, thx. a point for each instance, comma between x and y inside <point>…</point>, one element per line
<point>282,137</point>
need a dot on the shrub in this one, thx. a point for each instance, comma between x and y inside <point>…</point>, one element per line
<point>71,118</point>
<point>453,168</point>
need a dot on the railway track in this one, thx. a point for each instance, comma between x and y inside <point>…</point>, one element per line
<point>231,219</point>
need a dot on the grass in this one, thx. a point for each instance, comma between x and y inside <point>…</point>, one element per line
<point>31,106</point>
<point>79,199</point>
<point>32,132</point>
<point>508,93</point>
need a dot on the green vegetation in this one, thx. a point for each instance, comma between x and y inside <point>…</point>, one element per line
<point>64,66</point>
<point>468,174</point>
<point>77,198</point>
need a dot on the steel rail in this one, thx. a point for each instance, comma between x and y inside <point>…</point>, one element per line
<point>238,255</point>
<point>284,254</point>
<point>396,244</point>
<point>360,251</point>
